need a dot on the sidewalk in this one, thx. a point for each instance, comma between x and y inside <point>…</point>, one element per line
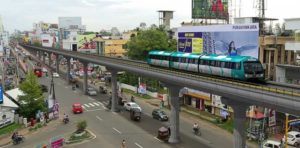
<point>6,139</point>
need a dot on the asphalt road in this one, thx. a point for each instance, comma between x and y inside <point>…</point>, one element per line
<point>111,128</point>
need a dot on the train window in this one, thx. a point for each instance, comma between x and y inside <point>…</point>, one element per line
<point>238,65</point>
<point>212,63</point>
<point>191,61</point>
<point>201,62</point>
<point>206,62</point>
<point>195,61</point>
<point>188,60</point>
<point>222,64</point>
<point>218,64</point>
<point>227,64</point>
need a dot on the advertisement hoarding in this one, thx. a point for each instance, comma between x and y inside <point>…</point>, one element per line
<point>86,41</point>
<point>210,9</point>
<point>237,39</point>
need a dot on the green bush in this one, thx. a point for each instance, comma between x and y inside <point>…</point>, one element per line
<point>81,126</point>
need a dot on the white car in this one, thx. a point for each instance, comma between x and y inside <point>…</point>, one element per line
<point>91,91</point>
<point>271,144</point>
<point>44,70</point>
<point>129,105</point>
<point>55,75</point>
<point>293,138</point>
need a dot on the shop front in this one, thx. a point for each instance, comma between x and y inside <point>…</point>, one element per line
<point>197,99</point>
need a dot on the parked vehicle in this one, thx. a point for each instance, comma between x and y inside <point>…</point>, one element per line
<point>130,105</point>
<point>91,91</point>
<point>55,75</point>
<point>293,138</point>
<point>160,115</point>
<point>77,108</point>
<point>135,114</point>
<point>271,144</point>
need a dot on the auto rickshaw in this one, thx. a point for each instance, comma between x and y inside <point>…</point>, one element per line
<point>163,133</point>
<point>135,114</point>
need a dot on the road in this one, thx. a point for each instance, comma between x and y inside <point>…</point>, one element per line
<point>111,128</point>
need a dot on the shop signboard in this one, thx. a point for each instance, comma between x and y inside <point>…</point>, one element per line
<point>233,39</point>
<point>142,88</point>
<point>272,117</point>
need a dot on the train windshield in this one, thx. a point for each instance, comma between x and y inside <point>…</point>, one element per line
<point>251,67</point>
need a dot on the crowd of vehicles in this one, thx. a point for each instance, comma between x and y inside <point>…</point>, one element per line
<point>244,68</point>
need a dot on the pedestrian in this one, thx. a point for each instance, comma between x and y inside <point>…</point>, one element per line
<point>123,144</point>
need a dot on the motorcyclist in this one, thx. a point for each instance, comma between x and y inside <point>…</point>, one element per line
<point>16,137</point>
<point>66,118</point>
<point>195,127</point>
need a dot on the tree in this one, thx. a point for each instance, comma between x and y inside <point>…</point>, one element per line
<point>81,126</point>
<point>146,40</point>
<point>32,100</point>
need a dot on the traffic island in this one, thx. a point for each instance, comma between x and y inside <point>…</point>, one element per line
<point>81,137</point>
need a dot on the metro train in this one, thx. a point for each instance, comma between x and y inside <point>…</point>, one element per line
<point>243,68</point>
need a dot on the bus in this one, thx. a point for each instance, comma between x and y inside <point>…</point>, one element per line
<point>38,71</point>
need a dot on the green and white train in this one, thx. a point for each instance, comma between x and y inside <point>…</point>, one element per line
<point>244,68</point>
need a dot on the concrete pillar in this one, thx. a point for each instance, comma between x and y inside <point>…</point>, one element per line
<point>174,116</point>
<point>261,53</point>
<point>68,69</point>
<point>114,90</point>
<point>57,63</point>
<point>44,57</point>
<point>239,130</point>
<point>282,54</point>
<point>85,77</point>
<point>50,60</point>
<point>289,57</point>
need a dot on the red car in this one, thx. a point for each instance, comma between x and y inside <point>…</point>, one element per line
<point>77,108</point>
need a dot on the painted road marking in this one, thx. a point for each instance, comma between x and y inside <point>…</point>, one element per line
<point>66,87</point>
<point>138,145</point>
<point>96,104</point>
<point>114,113</point>
<point>117,130</point>
<point>90,98</point>
<point>99,118</point>
<point>83,107</point>
<point>91,104</point>
<point>86,105</point>
<point>92,110</point>
<point>157,139</point>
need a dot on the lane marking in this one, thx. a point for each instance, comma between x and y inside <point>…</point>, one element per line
<point>117,130</point>
<point>83,107</point>
<point>66,87</point>
<point>157,139</point>
<point>86,105</point>
<point>92,110</point>
<point>90,98</point>
<point>91,104</point>
<point>99,118</point>
<point>96,104</point>
<point>138,145</point>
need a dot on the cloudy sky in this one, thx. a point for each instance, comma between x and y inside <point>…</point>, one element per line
<point>123,14</point>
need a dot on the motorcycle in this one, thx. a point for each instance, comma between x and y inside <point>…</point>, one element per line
<point>196,131</point>
<point>66,120</point>
<point>18,140</point>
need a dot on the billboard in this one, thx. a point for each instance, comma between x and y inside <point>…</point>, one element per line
<point>86,41</point>
<point>210,9</point>
<point>236,39</point>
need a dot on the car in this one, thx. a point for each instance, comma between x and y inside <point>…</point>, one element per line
<point>44,70</point>
<point>91,91</point>
<point>55,75</point>
<point>129,105</point>
<point>77,108</point>
<point>271,144</point>
<point>293,138</point>
<point>44,88</point>
<point>160,115</point>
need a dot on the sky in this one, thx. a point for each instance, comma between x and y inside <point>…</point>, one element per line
<point>123,14</point>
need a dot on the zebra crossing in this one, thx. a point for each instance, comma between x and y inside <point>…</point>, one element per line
<point>92,105</point>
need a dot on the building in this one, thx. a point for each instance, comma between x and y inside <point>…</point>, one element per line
<point>71,23</point>
<point>115,47</point>
<point>7,111</point>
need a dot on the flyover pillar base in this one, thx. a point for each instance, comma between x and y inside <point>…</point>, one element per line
<point>239,121</point>
<point>68,70</point>
<point>114,87</point>
<point>174,117</point>
<point>85,83</point>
